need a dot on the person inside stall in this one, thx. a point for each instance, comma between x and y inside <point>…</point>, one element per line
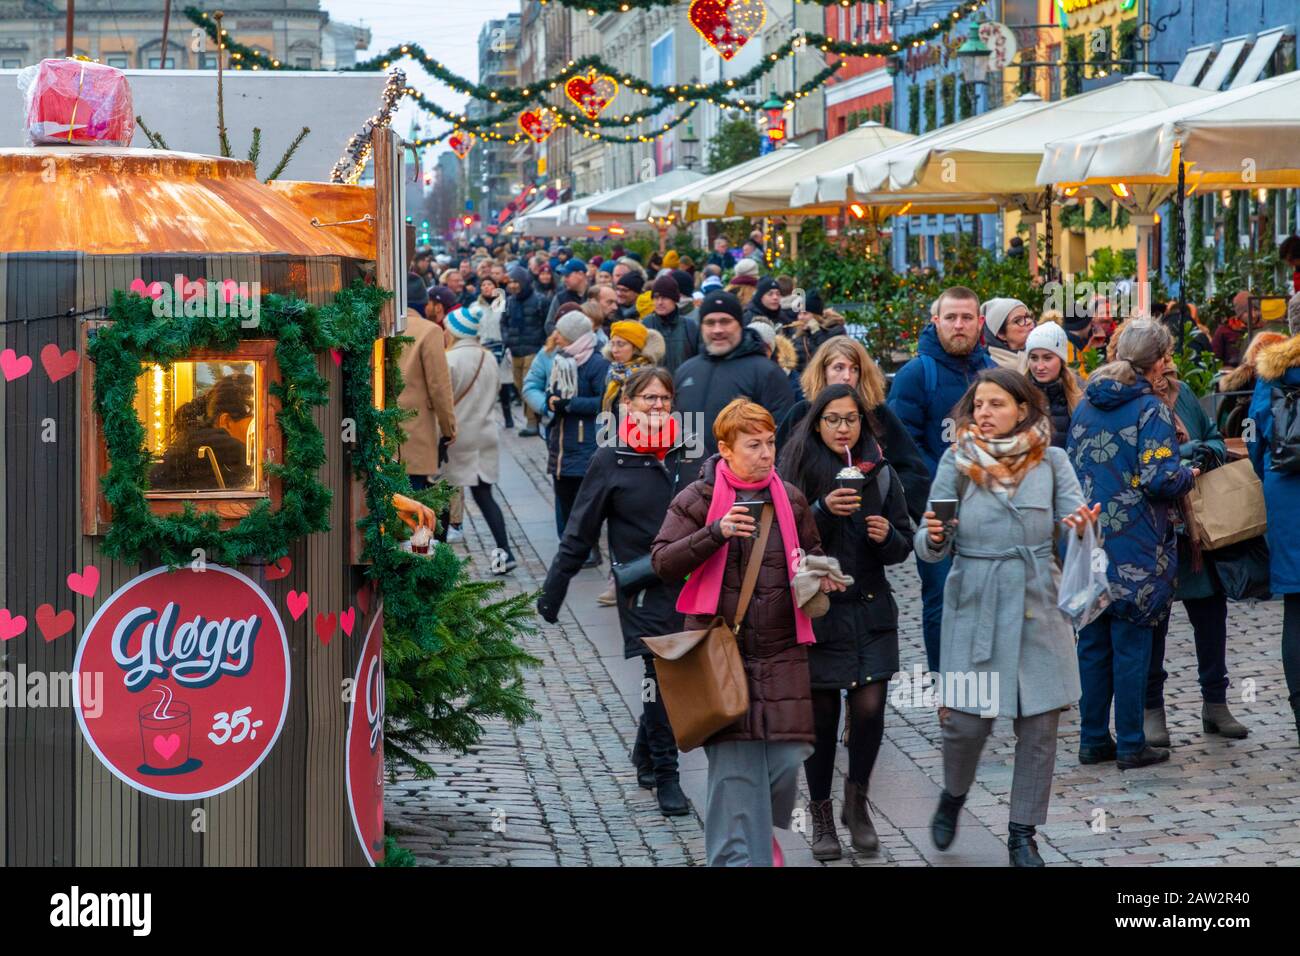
<point>209,450</point>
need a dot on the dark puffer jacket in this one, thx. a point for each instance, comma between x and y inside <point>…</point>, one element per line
<point>1059,407</point>
<point>857,639</point>
<point>523,321</point>
<point>780,696</point>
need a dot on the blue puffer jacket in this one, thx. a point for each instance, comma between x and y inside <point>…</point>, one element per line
<point>1279,365</point>
<point>1125,451</point>
<point>571,437</point>
<point>923,400</point>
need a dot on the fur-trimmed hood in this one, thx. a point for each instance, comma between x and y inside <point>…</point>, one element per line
<point>655,347</point>
<point>1274,361</point>
<point>1242,378</point>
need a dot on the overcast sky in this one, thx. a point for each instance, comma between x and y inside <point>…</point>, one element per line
<point>447,29</point>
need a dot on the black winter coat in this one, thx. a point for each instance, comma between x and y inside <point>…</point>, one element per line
<point>706,383</point>
<point>1059,408</point>
<point>857,639</point>
<point>563,297</point>
<point>681,337</point>
<point>806,344</point>
<point>896,444</point>
<point>632,492</point>
<point>525,317</point>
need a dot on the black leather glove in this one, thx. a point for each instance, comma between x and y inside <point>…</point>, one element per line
<point>551,615</point>
<point>561,406</point>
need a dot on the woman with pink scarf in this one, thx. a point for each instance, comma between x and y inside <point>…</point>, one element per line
<point>754,763</point>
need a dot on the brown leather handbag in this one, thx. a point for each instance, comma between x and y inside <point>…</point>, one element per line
<point>700,673</point>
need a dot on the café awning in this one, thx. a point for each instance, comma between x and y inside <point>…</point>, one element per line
<point>621,204</point>
<point>683,203</point>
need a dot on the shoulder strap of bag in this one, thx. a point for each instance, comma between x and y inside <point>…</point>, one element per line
<point>931,370</point>
<point>751,569</point>
<point>482,357</point>
<point>882,485</point>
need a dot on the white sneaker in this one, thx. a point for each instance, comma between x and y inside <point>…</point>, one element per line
<point>455,534</point>
<point>501,562</point>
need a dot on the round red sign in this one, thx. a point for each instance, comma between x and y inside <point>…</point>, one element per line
<point>365,748</point>
<point>194,668</point>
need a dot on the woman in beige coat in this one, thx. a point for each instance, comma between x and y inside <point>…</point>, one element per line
<point>473,459</point>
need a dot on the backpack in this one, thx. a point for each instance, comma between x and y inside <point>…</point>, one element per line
<point>1285,446</point>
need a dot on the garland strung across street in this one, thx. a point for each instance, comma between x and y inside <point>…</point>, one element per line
<point>595,7</point>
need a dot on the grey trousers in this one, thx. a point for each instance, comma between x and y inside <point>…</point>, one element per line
<point>752,787</point>
<point>1031,784</point>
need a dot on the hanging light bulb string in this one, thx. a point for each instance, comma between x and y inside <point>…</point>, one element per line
<point>353,161</point>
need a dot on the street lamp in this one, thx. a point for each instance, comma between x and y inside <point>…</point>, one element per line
<point>689,142</point>
<point>973,56</point>
<point>775,111</point>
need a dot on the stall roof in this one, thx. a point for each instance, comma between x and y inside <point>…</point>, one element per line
<point>682,201</point>
<point>622,203</point>
<point>121,201</point>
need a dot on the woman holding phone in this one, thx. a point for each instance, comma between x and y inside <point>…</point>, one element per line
<point>863,523</point>
<point>1001,625</point>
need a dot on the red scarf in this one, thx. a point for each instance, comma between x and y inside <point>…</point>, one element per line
<point>644,442</point>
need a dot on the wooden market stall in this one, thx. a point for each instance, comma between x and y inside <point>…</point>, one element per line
<point>81,223</point>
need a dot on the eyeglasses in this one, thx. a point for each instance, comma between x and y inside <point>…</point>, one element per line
<point>835,421</point>
<point>1024,320</point>
<point>655,399</point>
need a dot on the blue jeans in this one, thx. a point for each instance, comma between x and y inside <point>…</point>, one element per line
<point>1114,655</point>
<point>933,577</point>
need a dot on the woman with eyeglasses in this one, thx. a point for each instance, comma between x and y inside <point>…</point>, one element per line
<point>1008,323</point>
<point>864,524</point>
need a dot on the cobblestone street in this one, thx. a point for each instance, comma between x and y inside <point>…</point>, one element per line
<point>561,790</point>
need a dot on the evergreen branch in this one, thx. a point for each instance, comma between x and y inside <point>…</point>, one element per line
<point>255,150</point>
<point>155,139</point>
<point>284,160</point>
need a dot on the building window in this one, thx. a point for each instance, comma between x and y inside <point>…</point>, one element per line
<point>302,62</point>
<point>207,61</point>
<point>11,63</point>
<point>155,62</point>
<point>119,60</point>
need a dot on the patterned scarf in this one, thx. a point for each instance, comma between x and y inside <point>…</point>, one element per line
<point>618,373</point>
<point>564,369</point>
<point>999,464</point>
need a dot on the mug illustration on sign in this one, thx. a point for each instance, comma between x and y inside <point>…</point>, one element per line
<point>165,735</point>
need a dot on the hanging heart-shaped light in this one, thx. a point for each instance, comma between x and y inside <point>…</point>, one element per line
<point>727,25</point>
<point>461,142</point>
<point>537,124</point>
<point>592,93</point>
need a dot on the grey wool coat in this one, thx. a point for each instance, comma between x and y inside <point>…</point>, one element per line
<point>999,605</point>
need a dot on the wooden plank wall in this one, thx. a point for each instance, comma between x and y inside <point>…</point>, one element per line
<point>58,803</point>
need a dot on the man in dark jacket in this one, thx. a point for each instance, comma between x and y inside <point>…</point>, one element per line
<point>574,272</point>
<point>732,365</point>
<point>523,332</point>
<point>948,357</point>
<point>681,333</point>
<point>627,288</point>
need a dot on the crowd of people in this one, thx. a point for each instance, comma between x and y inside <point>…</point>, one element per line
<point>757,466</point>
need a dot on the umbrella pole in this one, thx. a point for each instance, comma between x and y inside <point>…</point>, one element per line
<point>1180,255</point>
<point>1047,234</point>
<point>1033,247</point>
<point>1144,224</point>
<point>794,226</point>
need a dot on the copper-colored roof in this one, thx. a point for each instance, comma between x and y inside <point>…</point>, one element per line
<point>336,203</point>
<point>149,202</point>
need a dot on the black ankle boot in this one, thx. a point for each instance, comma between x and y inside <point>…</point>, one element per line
<point>943,825</point>
<point>672,801</point>
<point>645,768</point>
<point>1021,847</point>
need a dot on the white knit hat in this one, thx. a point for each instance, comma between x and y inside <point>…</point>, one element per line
<point>995,312</point>
<point>747,267</point>
<point>765,332</point>
<point>1049,336</point>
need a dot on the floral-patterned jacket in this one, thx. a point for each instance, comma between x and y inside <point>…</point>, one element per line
<point>1123,447</point>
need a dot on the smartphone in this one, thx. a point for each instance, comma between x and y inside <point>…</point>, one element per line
<point>945,509</point>
<point>755,509</point>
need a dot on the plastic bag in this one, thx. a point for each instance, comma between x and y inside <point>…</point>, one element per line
<point>76,102</point>
<point>1084,592</point>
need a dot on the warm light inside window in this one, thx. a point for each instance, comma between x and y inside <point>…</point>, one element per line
<point>200,422</point>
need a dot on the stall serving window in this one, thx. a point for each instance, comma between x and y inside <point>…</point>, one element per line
<point>210,429</point>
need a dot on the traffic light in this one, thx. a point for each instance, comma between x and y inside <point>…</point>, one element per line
<point>410,219</point>
<point>468,221</point>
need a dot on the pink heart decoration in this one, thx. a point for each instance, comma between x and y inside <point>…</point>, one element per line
<point>297,603</point>
<point>337,356</point>
<point>86,582</point>
<point>166,746</point>
<point>11,625</point>
<point>347,619</point>
<point>153,290</point>
<point>58,364</point>
<point>53,626</point>
<point>14,365</point>
<point>325,625</point>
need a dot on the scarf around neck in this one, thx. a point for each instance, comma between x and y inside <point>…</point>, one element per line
<point>704,587</point>
<point>645,441</point>
<point>999,464</point>
<point>564,369</point>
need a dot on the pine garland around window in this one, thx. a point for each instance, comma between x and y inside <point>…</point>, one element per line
<point>1072,218</point>
<point>914,110</point>
<point>931,105</point>
<point>1104,54</point>
<point>1127,51</point>
<point>949,90</point>
<point>1099,217</point>
<point>1074,71</point>
<point>967,100</point>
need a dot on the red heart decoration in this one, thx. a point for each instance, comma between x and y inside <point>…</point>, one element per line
<point>297,603</point>
<point>337,356</point>
<point>538,124</point>
<point>347,619</point>
<point>14,365</point>
<point>279,569</point>
<point>58,364</point>
<point>11,625</point>
<point>325,625</point>
<point>592,93</point>
<point>54,626</point>
<point>363,597</point>
<point>86,582</point>
<point>153,290</point>
<point>727,25</point>
<point>461,143</point>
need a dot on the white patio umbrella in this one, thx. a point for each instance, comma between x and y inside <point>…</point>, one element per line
<point>621,204</point>
<point>681,203</point>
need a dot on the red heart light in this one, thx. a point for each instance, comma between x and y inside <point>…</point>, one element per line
<point>727,25</point>
<point>538,124</point>
<point>461,143</point>
<point>592,93</point>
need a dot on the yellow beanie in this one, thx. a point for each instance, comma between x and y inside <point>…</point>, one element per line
<point>633,332</point>
<point>645,304</point>
<point>671,259</point>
